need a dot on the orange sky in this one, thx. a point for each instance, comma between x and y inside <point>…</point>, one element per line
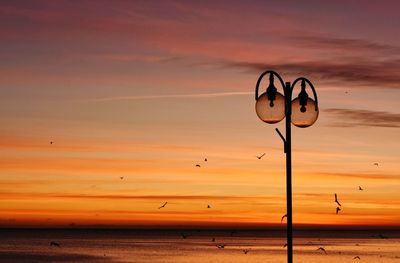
<point>147,90</point>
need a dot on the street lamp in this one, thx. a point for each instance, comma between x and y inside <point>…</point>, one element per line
<point>272,107</point>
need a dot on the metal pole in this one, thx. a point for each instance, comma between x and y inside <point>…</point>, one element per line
<point>288,148</point>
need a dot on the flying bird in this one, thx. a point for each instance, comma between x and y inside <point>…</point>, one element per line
<point>359,188</point>
<point>221,246</point>
<point>205,159</point>
<point>357,257</point>
<point>54,244</point>
<point>336,200</point>
<point>121,177</point>
<point>51,142</point>
<point>285,245</point>
<point>184,236</point>
<point>337,210</point>
<point>283,217</point>
<point>261,156</point>
<point>246,251</point>
<point>198,165</point>
<point>163,205</point>
<point>208,206</point>
<point>376,164</point>
<point>322,249</point>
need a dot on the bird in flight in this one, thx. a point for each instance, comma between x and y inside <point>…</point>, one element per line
<point>184,236</point>
<point>205,159</point>
<point>285,245</point>
<point>337,210</point>
<point>322,249</point>
<point>54,244</point>
<point>121,177</point>
<point>359,188</point>
<point>51,142</point>
<point>376,164</point>
<point>261,156</point>
<point>208,206</point>
<point>357,257</point>
<point>198,165</point>
<point>246,251</point>
<point>221,246</point>
<point>283,217</point>
<point>163,205</point>
<point>336,200</point>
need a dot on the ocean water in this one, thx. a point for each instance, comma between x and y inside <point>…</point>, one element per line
<point>155,246</point>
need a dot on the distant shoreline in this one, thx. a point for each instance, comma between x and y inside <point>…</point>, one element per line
<point>228,226</point>
<point>234,232</point>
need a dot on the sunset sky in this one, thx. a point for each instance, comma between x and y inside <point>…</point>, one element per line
<point>145,90</point>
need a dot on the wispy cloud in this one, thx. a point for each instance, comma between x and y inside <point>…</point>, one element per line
<point>172,96</point>
<point>332,43</point>
<point>350,72</point>
<point>353,118</point>
<point>126,57</point>
<point>155,198</point>
<point>9,256</point>
<point>373,176</point>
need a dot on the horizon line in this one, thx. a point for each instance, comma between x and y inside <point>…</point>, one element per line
<point>229,226</point>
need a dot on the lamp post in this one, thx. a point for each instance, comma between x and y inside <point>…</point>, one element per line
<point>272,107</point>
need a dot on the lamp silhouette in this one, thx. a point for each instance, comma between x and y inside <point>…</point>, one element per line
<point>272,107</point>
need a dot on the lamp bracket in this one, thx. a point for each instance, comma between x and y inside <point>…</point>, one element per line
<point>283,139</point>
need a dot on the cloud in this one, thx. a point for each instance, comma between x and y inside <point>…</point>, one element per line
<point>354,72</point>
<point>354,118</point>
<point>157,198</point>
<point>168,197</point>
<point>349,68</point>
<point>349,45</point>
<point>11,256</point>
<point>172,96</point>
<point>362,175</point>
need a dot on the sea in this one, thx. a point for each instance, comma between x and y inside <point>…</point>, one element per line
<point>192,246</point>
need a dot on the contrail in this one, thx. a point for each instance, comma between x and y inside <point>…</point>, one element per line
<point>172,96</point>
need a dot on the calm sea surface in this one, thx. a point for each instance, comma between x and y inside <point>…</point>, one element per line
<point>170,246</point>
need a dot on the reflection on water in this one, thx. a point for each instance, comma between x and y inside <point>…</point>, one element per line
<point>198,246</point>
